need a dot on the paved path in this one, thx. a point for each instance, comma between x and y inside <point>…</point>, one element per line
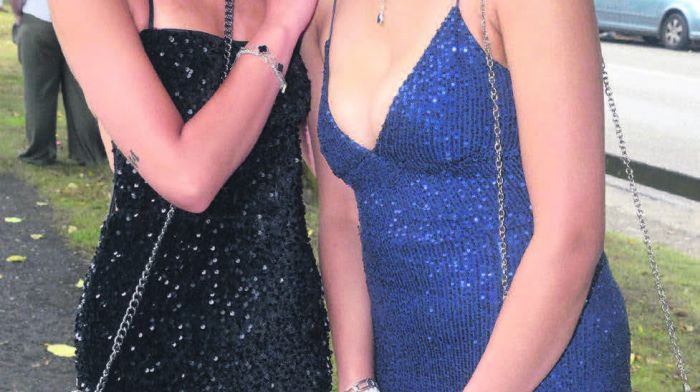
<point>672,220</point>
<point>37,298</point>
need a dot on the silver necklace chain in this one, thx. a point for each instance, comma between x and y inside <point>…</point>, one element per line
<point>663,301</point>
<point>137,295</point>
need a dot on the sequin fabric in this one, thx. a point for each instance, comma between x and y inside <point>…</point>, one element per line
<point>427,201</point>
<point>235,300</point>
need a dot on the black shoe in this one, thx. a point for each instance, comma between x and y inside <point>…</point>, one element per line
<point>37,162</point>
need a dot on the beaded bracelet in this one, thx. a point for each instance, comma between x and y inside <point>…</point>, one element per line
<point>264,53</point>
<point>366,385</point>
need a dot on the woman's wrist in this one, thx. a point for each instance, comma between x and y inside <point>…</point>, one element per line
<point>278,39</point>
<point>363,385</point>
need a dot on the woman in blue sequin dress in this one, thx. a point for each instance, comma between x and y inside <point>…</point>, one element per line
<point>409,215</point>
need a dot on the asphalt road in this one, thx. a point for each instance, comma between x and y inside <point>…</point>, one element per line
<point>658,99</point>
<point>38,297</point>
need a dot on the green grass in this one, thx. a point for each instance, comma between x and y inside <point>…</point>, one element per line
<point>80,197</point>
<point>653,366</point>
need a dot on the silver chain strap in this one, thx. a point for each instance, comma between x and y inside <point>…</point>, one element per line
<point>228,36</point>
<point>137,295</point>
<point>498,148</point>
<point>134,304</point>
<point>671,330</point>
<point>670,327</point>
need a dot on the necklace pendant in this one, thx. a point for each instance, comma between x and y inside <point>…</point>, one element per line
<point>380,18</point>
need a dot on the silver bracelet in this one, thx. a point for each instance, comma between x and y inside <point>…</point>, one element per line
<point>264,53</point>
<point>366,385</point>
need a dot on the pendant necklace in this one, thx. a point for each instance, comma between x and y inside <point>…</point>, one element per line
<point>380,15</point>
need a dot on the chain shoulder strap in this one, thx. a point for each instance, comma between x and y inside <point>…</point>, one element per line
<point>663,301</point>
<point>134,304</point>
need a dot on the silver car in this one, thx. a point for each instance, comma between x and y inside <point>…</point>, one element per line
<point>676,23</point>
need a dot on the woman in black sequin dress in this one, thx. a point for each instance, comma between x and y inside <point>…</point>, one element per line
<point>234,302</point>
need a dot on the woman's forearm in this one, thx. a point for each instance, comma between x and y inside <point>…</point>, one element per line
<point>539,316</point>
<point>186,163</point>
<point>107,143</point>
<point>221,135</point>
<point>203,152</point>
<point>348,301</point>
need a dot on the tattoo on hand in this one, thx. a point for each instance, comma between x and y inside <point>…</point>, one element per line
<point>133,159</point>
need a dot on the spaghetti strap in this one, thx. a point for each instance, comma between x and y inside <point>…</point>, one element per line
<point>330,33</point>
<point>151,14</point>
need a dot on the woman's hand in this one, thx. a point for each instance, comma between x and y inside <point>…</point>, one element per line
<point>293,15</point>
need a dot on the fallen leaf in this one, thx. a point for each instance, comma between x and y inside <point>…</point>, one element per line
<point>80,284</point>
<point>689,328</point>
<point>72,229</point>
<point>42,203</point>
<point>310,232</point>
<point>13,219</point>
<point>72,185</point>
<point>61,350</point>
<point>633,357</point>
<point>16,259</point>
<point>36,236</point>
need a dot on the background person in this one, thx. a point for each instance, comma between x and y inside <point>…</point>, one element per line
<point>45,74</point>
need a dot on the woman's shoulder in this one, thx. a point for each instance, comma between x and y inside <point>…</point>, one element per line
<point>319,27</point>
<point>315,36</point>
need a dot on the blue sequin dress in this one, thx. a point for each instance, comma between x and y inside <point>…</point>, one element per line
<point>427,202</point>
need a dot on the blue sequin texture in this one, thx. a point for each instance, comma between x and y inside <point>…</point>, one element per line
<point>426,196</point>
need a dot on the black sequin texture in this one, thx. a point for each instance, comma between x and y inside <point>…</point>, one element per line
<point>235,301</point>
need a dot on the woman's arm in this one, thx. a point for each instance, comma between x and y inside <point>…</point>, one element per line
<point>186,163</point>
<point>107,142</point>
<point>340,250</point>
<point>553,53</point>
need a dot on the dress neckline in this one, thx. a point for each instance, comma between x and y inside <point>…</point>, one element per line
<point>190,31</point>
<point>454,13</point>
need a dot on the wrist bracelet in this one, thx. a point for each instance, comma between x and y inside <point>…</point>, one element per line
<point>366,385</point>
<point>264,53</point>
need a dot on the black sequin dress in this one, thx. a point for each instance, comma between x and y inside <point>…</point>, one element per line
<point>234,302</point>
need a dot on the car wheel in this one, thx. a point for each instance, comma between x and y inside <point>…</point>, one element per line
<point>674,32</point>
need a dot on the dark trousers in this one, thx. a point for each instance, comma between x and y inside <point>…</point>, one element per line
<point>45,72</point>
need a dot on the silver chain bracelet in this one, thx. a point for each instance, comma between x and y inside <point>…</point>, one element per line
<point>264,53</point>
<point>366,385</point>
